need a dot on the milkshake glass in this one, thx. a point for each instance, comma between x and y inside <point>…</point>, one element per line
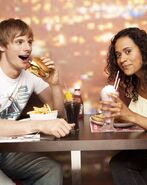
<point>108,125</point>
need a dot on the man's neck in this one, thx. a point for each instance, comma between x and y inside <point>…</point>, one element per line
<point>8,70</point>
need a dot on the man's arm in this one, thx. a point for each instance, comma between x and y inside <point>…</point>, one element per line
<point>58,127</point>
<point>53,96</point>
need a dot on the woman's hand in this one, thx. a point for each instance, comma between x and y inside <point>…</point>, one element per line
<point>117,108</point>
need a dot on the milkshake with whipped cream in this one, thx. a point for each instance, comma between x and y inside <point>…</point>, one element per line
<point>105,96</point>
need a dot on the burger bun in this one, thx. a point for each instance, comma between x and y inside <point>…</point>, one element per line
<point>38,67</point>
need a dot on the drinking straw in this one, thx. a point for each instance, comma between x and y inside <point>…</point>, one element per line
<point>116,79</point>
<point>117,84</point>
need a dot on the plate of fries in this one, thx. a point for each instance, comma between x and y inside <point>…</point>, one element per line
<point>43,113</point>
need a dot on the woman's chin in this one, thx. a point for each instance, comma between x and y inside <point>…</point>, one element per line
<point>128,72</point>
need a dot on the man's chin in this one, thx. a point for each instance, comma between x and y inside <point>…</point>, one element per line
<point>27,65</point>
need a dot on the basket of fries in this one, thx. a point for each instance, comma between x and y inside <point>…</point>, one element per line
<point>43,113</point>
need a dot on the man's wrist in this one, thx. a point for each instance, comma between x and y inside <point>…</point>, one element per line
<point>55,84</point>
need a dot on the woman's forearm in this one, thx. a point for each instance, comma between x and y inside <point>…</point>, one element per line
<point>138,119</point>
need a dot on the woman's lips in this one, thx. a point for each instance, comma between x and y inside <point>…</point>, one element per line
<point>125,67</point>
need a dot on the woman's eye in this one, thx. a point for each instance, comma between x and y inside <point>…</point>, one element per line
<point>128,51</point>
<point>118,55</point>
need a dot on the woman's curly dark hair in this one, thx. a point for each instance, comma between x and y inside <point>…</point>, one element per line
<point>130,83</point>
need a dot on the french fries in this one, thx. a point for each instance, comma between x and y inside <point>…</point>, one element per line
<point>41,110</point>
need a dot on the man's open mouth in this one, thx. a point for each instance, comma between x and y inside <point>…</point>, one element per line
<point>23,57</point>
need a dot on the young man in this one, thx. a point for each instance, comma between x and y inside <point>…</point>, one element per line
<point>17,85</point>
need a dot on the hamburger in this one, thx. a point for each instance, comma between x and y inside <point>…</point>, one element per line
<point>38,67</point>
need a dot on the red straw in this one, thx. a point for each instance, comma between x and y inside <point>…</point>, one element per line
<point>116,80</point>
<point>117,84</point>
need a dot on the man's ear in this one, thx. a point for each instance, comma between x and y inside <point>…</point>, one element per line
<point>2,48</point>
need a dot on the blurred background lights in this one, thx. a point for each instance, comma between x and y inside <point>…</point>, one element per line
<point>77,34</point>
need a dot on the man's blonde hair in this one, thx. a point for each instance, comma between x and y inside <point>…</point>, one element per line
<point>10,28</point>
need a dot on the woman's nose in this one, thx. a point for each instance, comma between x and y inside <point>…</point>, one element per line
<point>123,58</point>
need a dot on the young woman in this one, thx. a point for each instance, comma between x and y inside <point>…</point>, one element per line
<point>128,55</point>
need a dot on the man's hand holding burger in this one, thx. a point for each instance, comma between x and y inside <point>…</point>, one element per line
<point>45,68</point>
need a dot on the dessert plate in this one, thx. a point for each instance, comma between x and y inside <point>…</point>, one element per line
<point>118,125</point>
<point>123,125</point>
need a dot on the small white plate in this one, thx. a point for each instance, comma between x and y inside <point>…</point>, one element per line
<point>25,119</point>
<point>123,125</point>
<point>49,116</point>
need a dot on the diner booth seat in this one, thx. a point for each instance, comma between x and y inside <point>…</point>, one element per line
<point>17,182</point>
<point>33,101</point>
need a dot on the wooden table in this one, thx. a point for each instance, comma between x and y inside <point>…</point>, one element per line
<point>83,140</point>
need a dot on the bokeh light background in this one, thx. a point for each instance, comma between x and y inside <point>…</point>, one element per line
<point>76,35</point>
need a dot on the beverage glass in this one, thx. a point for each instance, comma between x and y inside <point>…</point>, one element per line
<point>72,110</point>
<point>108,125</point>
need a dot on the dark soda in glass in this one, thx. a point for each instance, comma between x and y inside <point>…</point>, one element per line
<point>78,98</point>
<point>72,110</point>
